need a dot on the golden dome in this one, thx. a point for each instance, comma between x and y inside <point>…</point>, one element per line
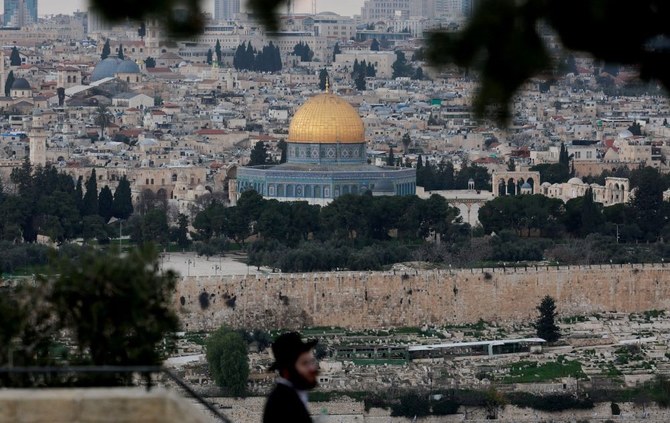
<point>326,118</point>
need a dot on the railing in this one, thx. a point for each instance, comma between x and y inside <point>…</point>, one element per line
<point>128,370</point>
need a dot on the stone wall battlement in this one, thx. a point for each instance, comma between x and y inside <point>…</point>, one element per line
<point>372,300</point>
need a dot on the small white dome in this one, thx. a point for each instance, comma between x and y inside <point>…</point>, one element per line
<point>575,181</point>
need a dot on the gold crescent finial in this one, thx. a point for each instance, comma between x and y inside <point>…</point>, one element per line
<point>327,85</point>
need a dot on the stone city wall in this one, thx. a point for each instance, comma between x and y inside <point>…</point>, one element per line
<point>373,300</point>
<point>249,410</point>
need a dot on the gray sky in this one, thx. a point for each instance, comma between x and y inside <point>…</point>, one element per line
<point>343,7</point>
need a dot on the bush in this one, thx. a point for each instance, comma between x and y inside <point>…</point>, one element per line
<point>445,406</point>
<point>411,405</point>
<point>550,403</point>
<point>226,352</point>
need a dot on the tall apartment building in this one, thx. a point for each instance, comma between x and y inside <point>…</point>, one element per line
<point>385,9</point>
<point>20,13</point>
<point>225,10</point>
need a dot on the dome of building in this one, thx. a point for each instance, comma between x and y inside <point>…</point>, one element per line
<point>128,66</point>
<point>575,181</point>
<point>326,119</point>
<point>526,185</point>
<point>105,68</point>
<point>21,84</point>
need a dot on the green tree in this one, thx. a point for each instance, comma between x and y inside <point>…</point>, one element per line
<point>90,201</point>
<point>647,202</point>
<point>9,82</point>
<point>106,50</point>
<point>217,50</point>
<point>591,215</point>
<point>93,227</point>
<point>359,81</point>
<point>635,129</point>
<point>400,67</point>
<point>390,159</point>
<point>15,57</point>
<point>303,51</point>
<point>259,155</point>
<point>116,307</point>
<point>374,45</point>
<point>418,74</point>
<point>79,192</point>
<point>155,226</point>
<point>27,333</point>
<point>142,30</point>
<point>180,234</point>
<point>336,50</point>
<point>106,204</point>
<point>228,362</point>
<point>120,54</point>
<point>283,147</point>
<point>123,203</point>
<point>150,62</point>
<point>323,78</point>
<point>545,325</point>
<point>210,57</point>
<point>103,117</point>
<point>406,142</point>
<point>554,173</point>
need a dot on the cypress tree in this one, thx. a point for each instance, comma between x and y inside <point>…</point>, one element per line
<point>90,202</point>
<point>8,83</point>
<point>217,49</point>
<point>106,204</point>
<point>546,322</point>
<point>15,57</point>
<point>250,57</point>
<point>120,55</point>
<point>210,57</point>
<point>123,203</point>
<point>591,218</point>
<point>390,160</point>
<point>106,50</point>
<point>79,193</point>
<point>323,77</point>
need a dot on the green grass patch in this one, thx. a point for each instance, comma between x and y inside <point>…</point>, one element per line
<point>654,314</point>
<point>530,371</point>
<point>573,319</point>
<point>198,338</point>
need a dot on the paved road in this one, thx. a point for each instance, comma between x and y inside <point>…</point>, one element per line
<point>190,264</point>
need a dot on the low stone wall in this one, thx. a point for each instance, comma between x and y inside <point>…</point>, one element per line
<point>373,300</point>
<point>118,405</point>
<point>250,410</point>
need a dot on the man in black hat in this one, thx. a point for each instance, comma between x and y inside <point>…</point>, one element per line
<point>298,369</point>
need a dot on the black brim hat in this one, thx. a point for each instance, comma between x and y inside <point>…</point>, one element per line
<point>287,348</point>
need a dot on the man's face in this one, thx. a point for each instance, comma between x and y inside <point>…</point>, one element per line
<point>306,371</point>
